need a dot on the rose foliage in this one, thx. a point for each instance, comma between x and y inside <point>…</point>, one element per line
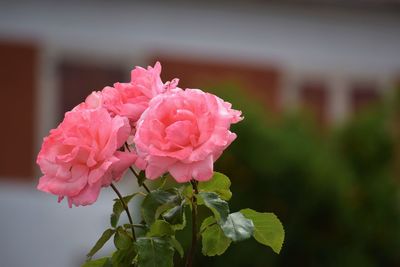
<point>158,131</point>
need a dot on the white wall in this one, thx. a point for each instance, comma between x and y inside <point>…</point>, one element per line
<point>317,39</point>
<point>37,231</point>
<point>337,44</point>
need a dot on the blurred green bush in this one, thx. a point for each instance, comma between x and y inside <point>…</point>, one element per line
<point>334,191</point>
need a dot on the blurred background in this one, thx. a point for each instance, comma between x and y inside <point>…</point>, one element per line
<point>318,83</point>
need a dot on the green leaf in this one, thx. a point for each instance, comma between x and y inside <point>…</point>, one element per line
<point>114,219</point>
<point>237,227</point>
<point>214,241</point>
<point>128,227</point>
<point>155,200</point>
<point>154,252</point>
<point>123,258</point>
<point>160,228</point>
<point>209,221</point>
<point>176,216</point>
<point>219,184</point>
<point>218,206</point>
<point>102,262</point>
<point>176,245</point>
<point>163,208</point>
<point>268,230</point>
<point>118,208</point>
<point>121,239</point>
<point>118,204</point>
<point>107,234</point>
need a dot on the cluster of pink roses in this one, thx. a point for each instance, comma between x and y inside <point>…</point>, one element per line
<point>166,128</point>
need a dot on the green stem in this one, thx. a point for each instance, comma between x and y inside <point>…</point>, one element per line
<point>126,210</point>
<point>137,177</point>
<point>134,172</point>
<point>192,250</point>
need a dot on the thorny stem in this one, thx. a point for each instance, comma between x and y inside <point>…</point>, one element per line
<point>192,250</point>
<point>135,173</point>
<point>126,210</point>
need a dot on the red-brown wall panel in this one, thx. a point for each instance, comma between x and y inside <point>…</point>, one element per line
<point>261,82</point>
<point>78,79</point>
<point>314,98</point>
<point>18,79</point>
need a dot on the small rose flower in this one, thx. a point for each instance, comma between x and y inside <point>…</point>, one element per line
<point>131,99</point>
<point>81,155</point>
<point>184,133</point>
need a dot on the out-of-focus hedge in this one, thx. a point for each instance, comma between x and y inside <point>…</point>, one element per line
<point>335,191</point>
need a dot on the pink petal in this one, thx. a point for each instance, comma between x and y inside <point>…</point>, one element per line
<point>98,174</point>
<point>157,166</point>
<point>203,170</point>
<point>126,159</point>
<point>181,172</point>
<point>87,196</point>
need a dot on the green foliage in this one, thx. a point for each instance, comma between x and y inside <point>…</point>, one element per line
<point>158,201</point>
<point>164,213</point>
<point>335,191</point>
<point>154,252</point>
<point>102,262</point>
<point>214,241</point>
<point>176,216</point>
<point>219,184</point>
<point>268,230</point>
<point>122,240</point>
<point>107,234</point>
<point>160,228</point>
<point>124,257</point>
<point>118,208</point>
<point>176,245</point>
<point>237,227</point>
<point>218,206</point>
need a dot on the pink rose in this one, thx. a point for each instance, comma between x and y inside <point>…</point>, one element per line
<point>131,99</point>
<point>184,133</point>
<point>81,155</point>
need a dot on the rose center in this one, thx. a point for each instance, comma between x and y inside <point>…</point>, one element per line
<point>180,133</point>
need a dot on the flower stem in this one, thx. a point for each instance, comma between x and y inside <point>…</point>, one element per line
<point>192,250</point>
<point>134,172</point>
<point>126,210</point>
<point>137,177</point>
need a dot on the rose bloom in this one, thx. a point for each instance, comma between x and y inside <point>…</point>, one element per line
<point>184,132</point>
<point>131,99</point>
<point>80,156</point>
